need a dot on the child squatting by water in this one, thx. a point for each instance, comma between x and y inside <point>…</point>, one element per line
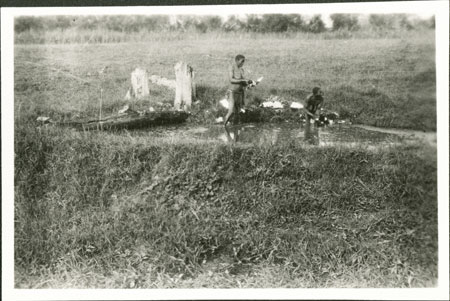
<point>314,102</point>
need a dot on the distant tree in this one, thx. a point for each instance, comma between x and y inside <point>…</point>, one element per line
<point>26,23</point>
<point>253,23</point>
<point>200,26</point>
<point>345,21</point>
<point>404,22</point>
<point>114,23</point>
<point>281,23</point>
<point>155,22</point>
<point>233,24</point>
<point>57,22</point>
<point>421,23</point>
<point>131,23</point>
<point>275,23</point>
<point>90,22</point>
<point>316,25</point>
<point>212,22</point>
<point>296,22</point>
<point>186,22</point>
<point>378,21</point>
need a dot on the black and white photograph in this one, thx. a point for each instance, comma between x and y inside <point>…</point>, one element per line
<point>160,152</point>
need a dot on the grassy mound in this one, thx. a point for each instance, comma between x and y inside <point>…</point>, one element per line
<point>140,213</point>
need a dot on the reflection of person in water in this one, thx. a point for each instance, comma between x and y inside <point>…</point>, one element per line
<point>233,133</point>
<point>311,134</point>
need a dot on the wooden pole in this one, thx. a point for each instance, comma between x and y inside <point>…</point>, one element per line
<point>139,82</point>
<point>101,100</point>
<point>185,86</point>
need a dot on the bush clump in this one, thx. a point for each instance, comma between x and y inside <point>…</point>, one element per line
<point>345,22</point>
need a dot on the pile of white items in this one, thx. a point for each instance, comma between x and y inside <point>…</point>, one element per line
<point>274,102</point>
<point>44,120</point>
<point>296,105</point>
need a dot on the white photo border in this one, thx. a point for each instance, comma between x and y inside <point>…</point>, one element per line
<point>438,8</point>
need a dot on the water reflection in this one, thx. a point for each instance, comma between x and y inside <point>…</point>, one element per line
<point>252,134</point>
<point>280,133</point>
<point>232,133</point>
<point>311,134</point>
<point>270,135</point>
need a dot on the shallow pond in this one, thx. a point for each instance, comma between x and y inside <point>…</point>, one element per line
<point>272,134</point>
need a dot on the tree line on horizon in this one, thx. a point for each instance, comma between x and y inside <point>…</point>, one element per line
<point>266,23</point>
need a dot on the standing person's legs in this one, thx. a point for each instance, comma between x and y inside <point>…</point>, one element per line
<point>231,106</point>
<point>239,103</point>
<point>308,117</point>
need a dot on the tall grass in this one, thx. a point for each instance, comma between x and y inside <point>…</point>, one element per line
<point>122,206</point>
<point>95,36</point>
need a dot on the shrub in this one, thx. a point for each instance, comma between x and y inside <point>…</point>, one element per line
<point>212,22</point>
<point>281,23</point>
<point>345,22</point>
<point>87,22</point>
<point>382,21</point>
<point>405,23</point>
<point>59,22</point>
<point>253,23</point>
<point>316,25</point>
<point>233,24</point>
<point>27,23</point>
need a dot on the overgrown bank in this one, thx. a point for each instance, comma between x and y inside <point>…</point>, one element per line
<point>122,206</point>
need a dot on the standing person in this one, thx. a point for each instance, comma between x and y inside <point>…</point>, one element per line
<point>314,102</point>
<point>237,88</point>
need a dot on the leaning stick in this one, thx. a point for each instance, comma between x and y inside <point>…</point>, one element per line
<point>101,100</point>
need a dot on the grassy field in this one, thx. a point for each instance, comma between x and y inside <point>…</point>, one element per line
<point>119,210</point>
<point>381,82</point>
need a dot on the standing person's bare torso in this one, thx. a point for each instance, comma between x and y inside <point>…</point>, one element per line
<point>237,73</point>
